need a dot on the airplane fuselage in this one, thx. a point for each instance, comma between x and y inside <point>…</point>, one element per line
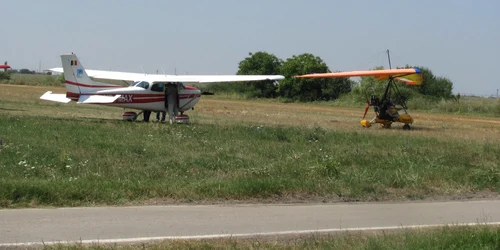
<point>142,95</point>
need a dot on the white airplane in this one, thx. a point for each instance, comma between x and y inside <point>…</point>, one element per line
<point>148,92</point>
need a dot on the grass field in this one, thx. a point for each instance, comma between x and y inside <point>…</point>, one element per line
<point>35,80</point>
<point>236,151</point>
<point>441,238</point>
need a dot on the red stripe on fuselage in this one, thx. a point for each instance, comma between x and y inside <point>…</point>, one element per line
<point>125,101</point>
<point>93,86</point>
<point>190,88</point>
<point>71,94</point>
<point>112,86</point>
<point>134,98</point>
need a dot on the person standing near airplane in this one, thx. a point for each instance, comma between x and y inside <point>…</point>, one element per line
<point>163,114</point>
<point>172,106</point>
<point>146,114</point>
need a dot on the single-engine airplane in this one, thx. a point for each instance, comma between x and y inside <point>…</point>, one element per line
<point>385,107</point>
<point>148,92</point>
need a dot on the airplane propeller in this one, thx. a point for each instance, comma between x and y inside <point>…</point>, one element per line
<point>367,107</point>
<point>207,93</point>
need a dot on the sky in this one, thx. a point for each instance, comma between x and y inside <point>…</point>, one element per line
<point>457,39</point>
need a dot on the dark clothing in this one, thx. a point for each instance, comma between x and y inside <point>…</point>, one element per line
<point>146,114</point>
<point>163,114</point>
<point>172,101</point>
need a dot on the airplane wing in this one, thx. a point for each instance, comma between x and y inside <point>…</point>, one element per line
<point>57,70</point>
<point>410,76</point>
<point>132,77</point>
<point>218,78</point>
<point>55,97</point>
<point>412,79</point>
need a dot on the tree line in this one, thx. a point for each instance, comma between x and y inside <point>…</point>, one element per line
<point>298,89</point>
<point>5,75</point>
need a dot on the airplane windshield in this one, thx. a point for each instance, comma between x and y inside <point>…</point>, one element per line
<point>156,85</point>
<point>142,84</point>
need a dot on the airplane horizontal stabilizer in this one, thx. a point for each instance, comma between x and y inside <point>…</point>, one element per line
<point>57,70</point>
<point>55,97</point>
<point>97,99</point>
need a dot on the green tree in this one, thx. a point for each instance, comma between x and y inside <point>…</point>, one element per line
<point>4,75</point>
<point>26,71</point>
<point>260,63</point>
<point>368,85</point>
<point>310,89</point>
<point>434,86</point>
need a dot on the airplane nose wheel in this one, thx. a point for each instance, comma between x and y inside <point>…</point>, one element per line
<point>406,127</point>
<point>386,126</point>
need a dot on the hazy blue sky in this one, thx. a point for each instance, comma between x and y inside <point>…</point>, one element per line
<point>457,39</point>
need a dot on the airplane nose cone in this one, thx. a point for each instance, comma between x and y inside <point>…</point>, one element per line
<point>198,92</point>
<point>194,90</point>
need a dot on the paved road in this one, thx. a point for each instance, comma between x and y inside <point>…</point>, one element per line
<point>132,224</point>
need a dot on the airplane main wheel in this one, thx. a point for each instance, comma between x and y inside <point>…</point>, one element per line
<point>406,127</point>
<point>129,116</point>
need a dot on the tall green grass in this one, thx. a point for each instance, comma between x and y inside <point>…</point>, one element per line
<point>34,80</point>
<point>470,238</point>
<point>70,162</point>
<point>467,105</point>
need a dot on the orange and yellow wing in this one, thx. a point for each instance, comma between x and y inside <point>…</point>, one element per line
<point>411,76</point>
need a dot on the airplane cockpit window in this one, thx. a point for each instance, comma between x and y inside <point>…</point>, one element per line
<point>143,84</point>
<point>181,85</point>
<point>158,87</point>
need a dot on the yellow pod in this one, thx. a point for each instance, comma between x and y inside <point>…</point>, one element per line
<point>365,123</point>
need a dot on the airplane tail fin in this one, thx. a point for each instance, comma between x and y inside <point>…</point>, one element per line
<point>74,74</point>
<point>77,80</point>
<point>79,86</point>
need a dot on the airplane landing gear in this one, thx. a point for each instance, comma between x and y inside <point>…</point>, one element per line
<point>182,118</point>
<point>130,116</point>
<point>386,125</point>
<point>406,127</point>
